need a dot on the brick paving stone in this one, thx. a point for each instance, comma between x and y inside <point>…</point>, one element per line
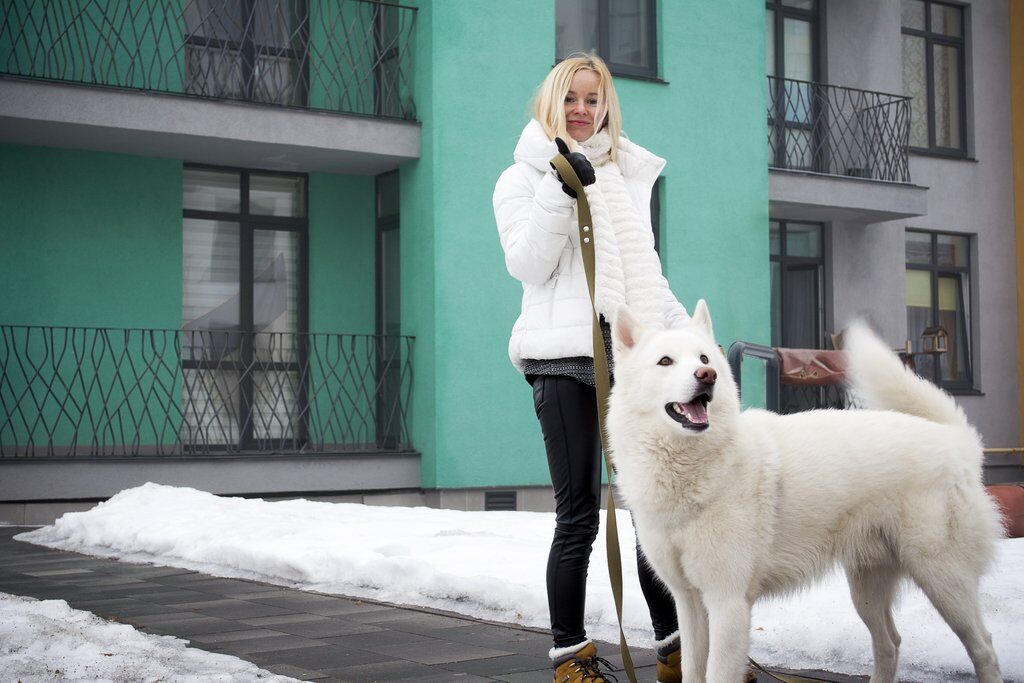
<point>233,609</point>
<point>413,622</point>
<point>511,639</point>
<point>225,586</point>
<point>497,666</point>
<point>230,636</point>
<point>443,652</point>
<point>324,657</point>
<point>179,596</point>
<point>325,628</point>
<point>281,619</point>
<point>56,572</point>
<point>293,671</point>
<point>400,672</point>
<point>276,644</point>
<point>381,641</point>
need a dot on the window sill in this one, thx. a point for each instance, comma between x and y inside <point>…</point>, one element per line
<point>964,392</point>
<point>635,77</point>
<point>939,154</point>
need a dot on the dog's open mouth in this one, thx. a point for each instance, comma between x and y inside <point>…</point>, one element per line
<point>692,415</point>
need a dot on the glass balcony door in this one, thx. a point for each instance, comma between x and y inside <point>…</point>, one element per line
<point>791,43</point>
<point>244,309</point>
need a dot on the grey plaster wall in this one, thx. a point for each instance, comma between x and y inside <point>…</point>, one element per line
<point>973,196</point>
<point>868,280</point>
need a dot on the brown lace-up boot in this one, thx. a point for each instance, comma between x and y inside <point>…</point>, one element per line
<point>582,666</point>
<point>670,668</point>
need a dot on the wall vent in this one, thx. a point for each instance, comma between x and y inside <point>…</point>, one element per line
<point>499,500</point>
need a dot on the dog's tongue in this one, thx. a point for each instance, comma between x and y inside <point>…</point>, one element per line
<point>694,412</point>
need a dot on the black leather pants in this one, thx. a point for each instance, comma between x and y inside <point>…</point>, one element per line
<point>567,412</point>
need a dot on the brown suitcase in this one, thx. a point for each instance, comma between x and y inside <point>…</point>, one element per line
<point>1010,498</point>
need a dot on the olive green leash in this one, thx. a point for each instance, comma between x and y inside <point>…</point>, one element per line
<point>569,177</point>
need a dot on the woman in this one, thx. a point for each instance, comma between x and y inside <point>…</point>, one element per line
<point>552,343</point>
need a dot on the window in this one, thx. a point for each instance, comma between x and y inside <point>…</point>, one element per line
<point>623,32</point>
<point>247,50</point>
<point>797,281</point>
<point>939,294</point>
<point>791,44</point>
<point>933,75</point>
<point>244,271</point>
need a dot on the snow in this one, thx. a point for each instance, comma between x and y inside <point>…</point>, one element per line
<point>45,640</point>
<point>491,565</point>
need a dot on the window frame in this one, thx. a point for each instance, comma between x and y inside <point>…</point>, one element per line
<point>248,224</point>
<point>930,40</point>
<point>784,260</point>
<point>778,124</point>
<point>604,43</point>
<point>937,271</point>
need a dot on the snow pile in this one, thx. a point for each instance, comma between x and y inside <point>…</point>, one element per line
<point>47,640</point>
<point>492,564</point>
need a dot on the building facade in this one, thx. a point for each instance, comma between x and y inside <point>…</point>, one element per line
<point>249,247</point>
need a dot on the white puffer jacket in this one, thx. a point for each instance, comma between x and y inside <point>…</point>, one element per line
<point>537,226</point>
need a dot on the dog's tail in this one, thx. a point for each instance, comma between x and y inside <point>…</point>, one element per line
<point>880,381</point>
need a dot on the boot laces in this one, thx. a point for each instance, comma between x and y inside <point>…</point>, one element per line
<point>591,669</point>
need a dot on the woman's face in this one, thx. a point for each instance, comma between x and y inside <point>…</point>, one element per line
<point>581,105</point>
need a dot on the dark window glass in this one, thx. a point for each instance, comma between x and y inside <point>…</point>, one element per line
<point>240,49</point>
<point>623,32</point>
<point>938,295</point>
<point>797,272</point>
<point>933,74</point>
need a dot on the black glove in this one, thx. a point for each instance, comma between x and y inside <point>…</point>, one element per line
<point>579,163</point>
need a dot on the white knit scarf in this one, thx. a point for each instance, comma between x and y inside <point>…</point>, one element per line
<point>627,268</point>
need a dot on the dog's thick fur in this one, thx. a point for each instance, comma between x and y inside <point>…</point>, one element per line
<point>753,503</point>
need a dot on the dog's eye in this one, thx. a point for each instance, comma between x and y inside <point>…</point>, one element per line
<point>665,360</point>
<point>703,359</point>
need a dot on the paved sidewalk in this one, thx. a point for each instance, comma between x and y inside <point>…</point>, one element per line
<point>305,635</point>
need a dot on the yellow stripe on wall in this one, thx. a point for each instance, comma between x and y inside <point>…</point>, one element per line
<point>1017,103</point>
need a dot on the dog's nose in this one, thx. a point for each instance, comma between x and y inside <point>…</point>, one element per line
<point>705,375</point>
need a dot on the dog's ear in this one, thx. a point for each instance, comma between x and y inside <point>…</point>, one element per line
<point>702,317</point>
<point>626,331</point>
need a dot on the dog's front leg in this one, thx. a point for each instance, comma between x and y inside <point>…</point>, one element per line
<point>729,631</point>
<point>693,631</point>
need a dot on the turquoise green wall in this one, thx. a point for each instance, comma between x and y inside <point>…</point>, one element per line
<point>89,239</point>
<point>417,202</point>
<point>475,418</point>
<point>342,250</point>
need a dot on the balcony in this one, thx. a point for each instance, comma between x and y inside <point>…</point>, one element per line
<point>96,392</point>
<point>323,411</point>
<point>165,77</point>
<point>839,153</point>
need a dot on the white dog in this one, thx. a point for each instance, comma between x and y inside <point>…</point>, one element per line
<point>731,506</point>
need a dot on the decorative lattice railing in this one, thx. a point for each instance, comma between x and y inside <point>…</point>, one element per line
<point>351,56</point>
<point>838,131</point>
<point>75,391</point>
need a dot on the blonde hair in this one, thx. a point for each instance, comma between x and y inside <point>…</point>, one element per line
<point>549,106</point>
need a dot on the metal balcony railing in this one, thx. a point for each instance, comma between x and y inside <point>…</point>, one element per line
<point>348,56</point>
<point>838,131</point>
<point>787,394</point>
<point>93,392</point>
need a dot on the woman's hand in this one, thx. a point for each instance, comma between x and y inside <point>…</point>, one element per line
<point>580,164</point>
